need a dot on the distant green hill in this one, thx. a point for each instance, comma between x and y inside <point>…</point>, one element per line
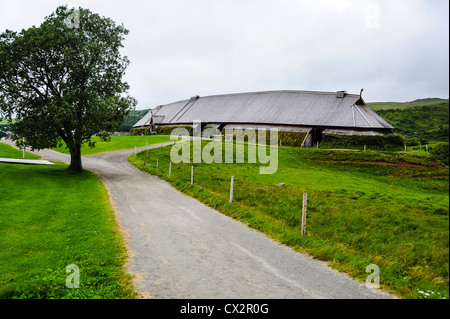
<point>131,119</point>
<point>422,122</point>
<point>405,105</point>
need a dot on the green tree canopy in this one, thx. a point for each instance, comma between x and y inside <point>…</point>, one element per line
<point>63,80</point>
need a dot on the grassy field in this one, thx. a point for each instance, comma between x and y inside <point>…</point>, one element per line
<point>50,219</point>
<point>363,208</point>
<point>117,143</point>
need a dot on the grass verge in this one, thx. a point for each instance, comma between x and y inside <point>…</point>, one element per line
<point>363,208</point>
<point>50,219</point>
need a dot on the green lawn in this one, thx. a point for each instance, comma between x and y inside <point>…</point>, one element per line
<point>50,219</point>
<point>7,151</point>
<point>363,208</point>
<point>117,143</point>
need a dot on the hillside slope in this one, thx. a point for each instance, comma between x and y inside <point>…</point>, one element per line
<point>424,123</point>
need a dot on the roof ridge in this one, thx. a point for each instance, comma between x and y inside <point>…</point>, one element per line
<point>261,92</point>
<point>278,91</point>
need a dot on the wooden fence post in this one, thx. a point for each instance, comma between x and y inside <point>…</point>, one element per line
<point>305,200</point>
<point>170,168</point>
<point>231,189</point>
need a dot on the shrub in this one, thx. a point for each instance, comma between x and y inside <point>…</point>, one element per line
<point>441,152</point>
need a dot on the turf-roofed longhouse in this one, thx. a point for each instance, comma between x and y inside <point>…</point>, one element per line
<point>313,113</point>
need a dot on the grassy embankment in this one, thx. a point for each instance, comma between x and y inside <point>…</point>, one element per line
<point>363,208</point>
<point>50,219</point>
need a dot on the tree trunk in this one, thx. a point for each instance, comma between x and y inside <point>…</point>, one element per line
<point>75,160</point>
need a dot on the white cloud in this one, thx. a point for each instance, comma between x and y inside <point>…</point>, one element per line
<point>396,50</point>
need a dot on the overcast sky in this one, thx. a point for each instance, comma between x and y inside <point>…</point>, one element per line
<point>396,50</point>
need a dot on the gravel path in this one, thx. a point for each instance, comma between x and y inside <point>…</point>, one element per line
<point>181,248</point>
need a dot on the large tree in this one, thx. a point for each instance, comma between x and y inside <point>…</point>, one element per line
<point>63,80</point>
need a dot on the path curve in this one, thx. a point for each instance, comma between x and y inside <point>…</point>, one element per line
<point>182,249</point>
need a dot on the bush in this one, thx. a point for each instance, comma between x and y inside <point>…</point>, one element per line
<point>441,152</point>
